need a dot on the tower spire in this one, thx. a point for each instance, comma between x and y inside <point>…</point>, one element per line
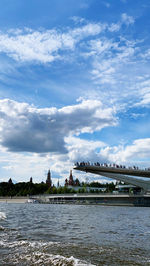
<point>71,181</point>
<point>48,180</point>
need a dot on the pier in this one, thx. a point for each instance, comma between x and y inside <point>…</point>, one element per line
<point>96,199</point>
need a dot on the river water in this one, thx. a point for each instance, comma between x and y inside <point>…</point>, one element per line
<point>44,234</point>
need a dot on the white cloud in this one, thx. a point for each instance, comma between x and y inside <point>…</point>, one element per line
<point>146,54</point>
<point>103,45</point>
<point>146,98</point>
<point>40,46</point>
<point>27,128</point>
<point>118,71</point>
<point>138,152</point>
<point>114,27</point>
<point>139,149</point>
<point>90,29</point>
<point>111,57</point>
<point>44,46</point>
<point>81,149</point>
<point>78,20</point>
<point>143,87</point>
<point>127,19</point>
<point>23,165</point>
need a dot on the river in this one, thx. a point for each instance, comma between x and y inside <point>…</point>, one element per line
<point>45,234</point>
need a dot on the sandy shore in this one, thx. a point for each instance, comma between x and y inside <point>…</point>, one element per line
<point>14,199</point>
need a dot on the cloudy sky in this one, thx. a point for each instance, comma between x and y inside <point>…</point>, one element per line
<point>74,86</point>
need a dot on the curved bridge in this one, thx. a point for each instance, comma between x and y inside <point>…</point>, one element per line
<point>137,177</point>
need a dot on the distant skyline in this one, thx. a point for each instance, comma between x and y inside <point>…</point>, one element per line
<point>74,86</point>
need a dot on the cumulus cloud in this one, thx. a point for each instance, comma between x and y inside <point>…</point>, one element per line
<point>27,128</point>
<point>138,151</point>
<point>24,165</point>
<point>81,149</point>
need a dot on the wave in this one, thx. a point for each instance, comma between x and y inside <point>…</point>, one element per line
<point>2,228</point>
<point>25,252</point>
<point>36,253</point>
<point>2,215</point>
<point>40,258</point>
<point>27,244</point>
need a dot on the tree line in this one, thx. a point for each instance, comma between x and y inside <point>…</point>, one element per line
<point>29,188</point>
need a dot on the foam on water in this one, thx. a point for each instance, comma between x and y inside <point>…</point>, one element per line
<point>35,253</point>
<point>40,258</point>
<point>2,228</point>
<point>57,260</point>
<point>2,215</point>
<point>27,244</point>
<point>24,252</point>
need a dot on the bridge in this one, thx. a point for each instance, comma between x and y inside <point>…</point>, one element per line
<point>131,175</point>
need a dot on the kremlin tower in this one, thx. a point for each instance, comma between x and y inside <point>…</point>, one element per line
<point>48,180</point>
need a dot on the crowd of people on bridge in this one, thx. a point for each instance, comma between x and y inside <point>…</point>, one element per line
<point>109,165</point>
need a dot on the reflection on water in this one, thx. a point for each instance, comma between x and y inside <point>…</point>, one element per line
<point>73,235</point>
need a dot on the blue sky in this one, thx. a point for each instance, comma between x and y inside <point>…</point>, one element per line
<point>74,85</point>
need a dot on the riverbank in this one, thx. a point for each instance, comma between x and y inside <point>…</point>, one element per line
<point>13,199</point>
<point>96,199</point>
<point>83,199</point>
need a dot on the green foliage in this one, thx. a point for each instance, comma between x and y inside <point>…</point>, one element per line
<point>96,184</point>
<point>82,190</point>
<point>110,187</point>
<point>21,189</point>
<point>77,182</point>
<point>29,188</point>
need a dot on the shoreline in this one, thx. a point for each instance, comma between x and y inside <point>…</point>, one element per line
<point>14,199</point>
<point>83,199</point>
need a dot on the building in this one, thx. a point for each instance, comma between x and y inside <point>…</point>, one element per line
<point>71,182</point>
<point>48,180</point>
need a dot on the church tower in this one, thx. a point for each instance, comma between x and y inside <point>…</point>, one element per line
<point>48,180</point>
<point>71,181</point>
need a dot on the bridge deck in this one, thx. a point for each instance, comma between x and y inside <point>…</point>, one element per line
<point>107,169</point>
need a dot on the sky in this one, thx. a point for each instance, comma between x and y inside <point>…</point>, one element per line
<point>74,86</point>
